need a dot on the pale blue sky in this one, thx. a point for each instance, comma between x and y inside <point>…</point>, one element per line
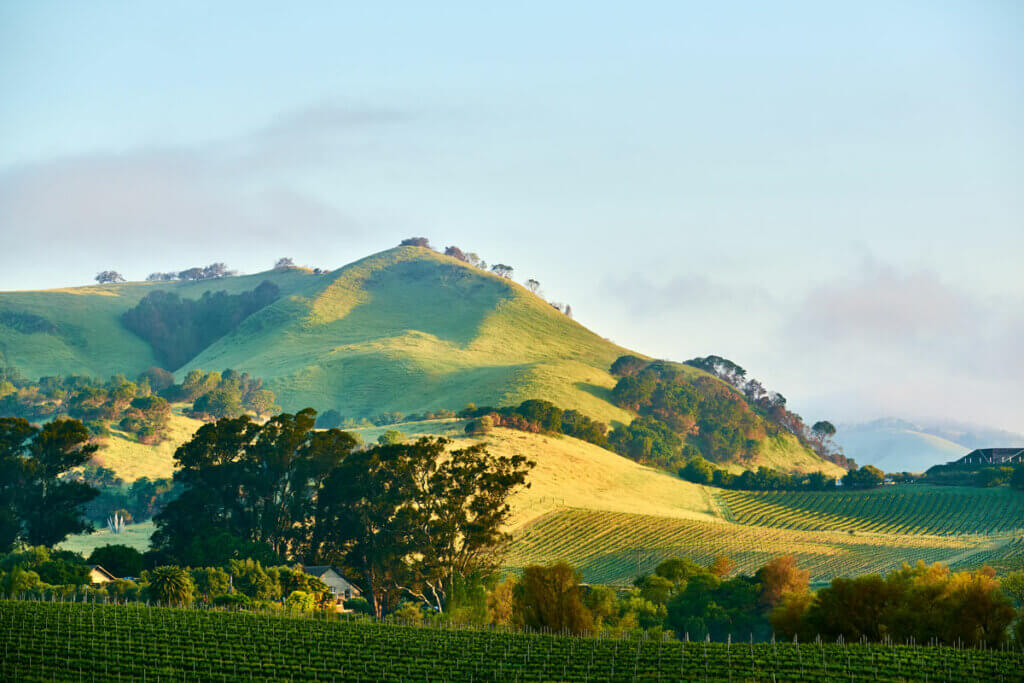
<point>829,194</point>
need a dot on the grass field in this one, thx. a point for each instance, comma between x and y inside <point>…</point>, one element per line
<point>132,460</point>
<point>68,641</point>
<point>85,335</point>
<point>615,547</point>
<point>134,536</point>
<point>902,509</point>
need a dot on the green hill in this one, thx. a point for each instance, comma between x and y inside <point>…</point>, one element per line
<point>406,330</point>
<point>78,331</point>
<point>410,330</point>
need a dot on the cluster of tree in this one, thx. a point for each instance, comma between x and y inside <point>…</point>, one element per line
<point>986,476</point>
<point>135,502</point>
<point>921,603</point>
<point>132,406</point>
<point>214,271</point>
<point>404,520</point>
<point>536,416</point>
<point>238,584</point>
<point>224,394</point>
<point>107,277</point>
<point>38,506</point>
<point>712,418</point>
<point>178,329</point>
<point>499,269</point>
<point>682,415</point>
<point>772,406</point>
<point>700,471</point>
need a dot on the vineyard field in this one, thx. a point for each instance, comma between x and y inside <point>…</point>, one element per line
<point>65,641</point>
<point>614,548</point>
<point>902,509</point>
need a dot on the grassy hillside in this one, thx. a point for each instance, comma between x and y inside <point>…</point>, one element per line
<point>406,330</point>
<point>411,330</point>
<point>132,460</point>
<point>78,331</point>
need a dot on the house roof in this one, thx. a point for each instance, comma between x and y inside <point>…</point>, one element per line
<point>998,454</point>
<point>339,581</point>
<point>101,570</point>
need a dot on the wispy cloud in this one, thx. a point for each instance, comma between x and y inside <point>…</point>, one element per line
<point>222,193</point>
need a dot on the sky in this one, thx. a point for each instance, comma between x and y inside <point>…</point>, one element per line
<point>830,194</point>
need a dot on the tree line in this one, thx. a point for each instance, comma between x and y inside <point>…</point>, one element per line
<point>179,329</point>
<point>500,269</point>
<point>401,518</point>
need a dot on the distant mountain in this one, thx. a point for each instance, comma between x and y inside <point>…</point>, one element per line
<point>897,445</point>
<point>406,330</point>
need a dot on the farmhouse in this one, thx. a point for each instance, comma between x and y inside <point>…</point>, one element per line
<point>993,456</point>
<point>98,574</point>
<point>342,589</point>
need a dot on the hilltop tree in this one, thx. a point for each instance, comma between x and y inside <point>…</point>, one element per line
<point>415,242</point>
<point>475,261</point>
<point>824,429</point>
<point>107,277</point>
<point>36,505</point>
<point>532,285</point>
<point>455,252</point>
<point>284,263</point>
<point>161,277</point>
<point>502,270</point>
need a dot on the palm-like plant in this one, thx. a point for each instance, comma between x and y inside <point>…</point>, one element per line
<point>171,585</point>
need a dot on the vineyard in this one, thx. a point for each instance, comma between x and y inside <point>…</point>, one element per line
<point>64,641</point>
<point>614,548</point>
<point>905,509</point>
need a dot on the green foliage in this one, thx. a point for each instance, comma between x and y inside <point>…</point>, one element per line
<point>178,329</point>
<point>36,506</point>
<point>865,477</point>
<point>549,598</point>
<point>299,602</point>
<point>239,476</point>
<point>170,585</point>
<point>923,603</point>
<point>48,641</point>
<point>391,437</point>
<point>119,560</point>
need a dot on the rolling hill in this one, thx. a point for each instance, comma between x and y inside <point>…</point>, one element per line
<point>406,330</point>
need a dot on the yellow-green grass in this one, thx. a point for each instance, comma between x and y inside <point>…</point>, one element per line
<point>134,536</point>
<point>412,330</point>
<point>90,339</point>
<point>786,454</point>
<point>574,473</point>
<point>902,509</point>
<point>132,460</point>
<point>615,547</point>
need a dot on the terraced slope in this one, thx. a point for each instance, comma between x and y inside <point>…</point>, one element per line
<point>72,642</point>
<point>614,547</point>
<point>904,509</point>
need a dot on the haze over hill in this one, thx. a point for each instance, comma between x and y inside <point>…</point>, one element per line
<point>897,445</point>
